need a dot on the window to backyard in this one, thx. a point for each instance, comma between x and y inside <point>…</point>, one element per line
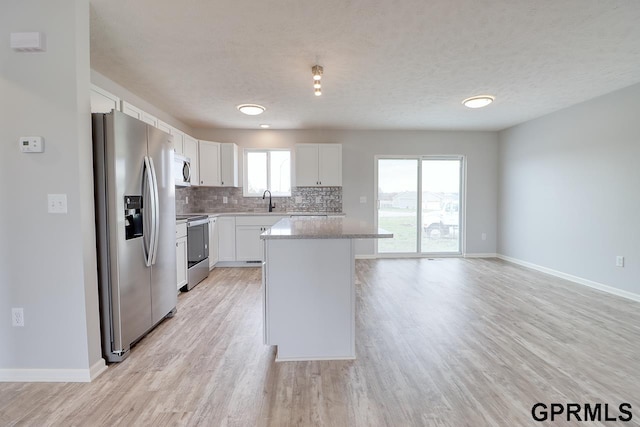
<point>267,170</point>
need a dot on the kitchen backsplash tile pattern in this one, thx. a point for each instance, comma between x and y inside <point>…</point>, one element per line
<point>210,199</point>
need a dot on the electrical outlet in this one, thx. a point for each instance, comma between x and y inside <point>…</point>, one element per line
<point>318,199</point>
<point>225,199</point>
<point>298,199</point>
<point>57,203</point>
<point>363,199</point>
<point>484,236</point>
<point>619,261</point>
<point>17,316</point>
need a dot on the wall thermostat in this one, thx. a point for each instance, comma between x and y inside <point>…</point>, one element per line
<point>31,144</point>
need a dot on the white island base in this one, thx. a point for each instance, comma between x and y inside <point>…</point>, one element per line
<point>309,300</point>
<point>309,287</point>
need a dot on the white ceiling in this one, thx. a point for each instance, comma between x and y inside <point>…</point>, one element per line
<point>388,64</point>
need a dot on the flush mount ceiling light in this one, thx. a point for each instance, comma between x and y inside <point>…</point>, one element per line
<point>251,109</point>
<point>317,71</point>
<point>265,126</point>
<point>478,101</point>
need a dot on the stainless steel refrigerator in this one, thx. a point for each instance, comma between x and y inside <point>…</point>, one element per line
<point>135,223</point>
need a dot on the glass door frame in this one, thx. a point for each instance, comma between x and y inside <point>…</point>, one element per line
<point>461,210</point>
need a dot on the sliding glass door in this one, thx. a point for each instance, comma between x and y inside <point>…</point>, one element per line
<point>441,205</point>
<point>398,204</point>
<point>419,200</point>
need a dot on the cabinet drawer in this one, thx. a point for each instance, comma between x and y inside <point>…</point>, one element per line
<point>267,220</point>
<point>181,230</point>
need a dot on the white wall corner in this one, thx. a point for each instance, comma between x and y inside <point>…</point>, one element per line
<point>575,279</point>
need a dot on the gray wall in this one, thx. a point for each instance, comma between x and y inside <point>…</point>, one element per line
<point>359,149</point>
<point>47,262</point>
<point>569,195</point>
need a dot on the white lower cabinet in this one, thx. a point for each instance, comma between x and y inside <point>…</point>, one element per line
<point>181,255</point>
<point>213,242</point>
<point>249,246</point>
<point>248,243</point>
<point>226,226</point>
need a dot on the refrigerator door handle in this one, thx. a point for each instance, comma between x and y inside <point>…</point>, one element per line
<point>151,205</point>
<point>154,213</point>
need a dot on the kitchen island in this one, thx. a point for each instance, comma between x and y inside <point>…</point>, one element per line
<point>308,278</point>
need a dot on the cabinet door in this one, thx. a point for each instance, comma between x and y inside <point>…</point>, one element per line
<point>229,165</point>
<point>307,165</point>
<point>149,119</point>
<point>132,111</point>
<point>248,243</point>
<point>178,141</point>
<point>209,163</point>
<point>181,261</point>
<point>164,127</point>
<point>103,101</point>
<point>213,242</point>
<point>191,151</point>
<point>330,165</point>
<point>226,226</point>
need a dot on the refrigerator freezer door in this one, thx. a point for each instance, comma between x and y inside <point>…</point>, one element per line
<point>163,271</point>
<point>129,277</point>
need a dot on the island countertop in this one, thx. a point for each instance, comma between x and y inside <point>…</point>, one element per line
<point>316,227</point>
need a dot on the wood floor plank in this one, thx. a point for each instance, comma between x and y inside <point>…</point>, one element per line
<point>443,342</point>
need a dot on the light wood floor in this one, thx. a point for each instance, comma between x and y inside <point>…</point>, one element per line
<point>447,342</point>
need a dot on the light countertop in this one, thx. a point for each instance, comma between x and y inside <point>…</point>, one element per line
<point>286,214</point>
<point>321,227</point>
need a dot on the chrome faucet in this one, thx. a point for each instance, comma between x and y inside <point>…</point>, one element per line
<point>271,206</point>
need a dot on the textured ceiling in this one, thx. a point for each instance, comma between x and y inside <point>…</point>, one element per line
<point>388,64</point>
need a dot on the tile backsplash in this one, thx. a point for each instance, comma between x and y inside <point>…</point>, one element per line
<point>210,199</point>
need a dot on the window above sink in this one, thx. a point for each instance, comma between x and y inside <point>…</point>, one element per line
<point>267,169</point>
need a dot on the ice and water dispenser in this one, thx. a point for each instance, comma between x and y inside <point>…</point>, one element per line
<point>133,216</point>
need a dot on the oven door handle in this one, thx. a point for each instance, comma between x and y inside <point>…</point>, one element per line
<point>198,222</point>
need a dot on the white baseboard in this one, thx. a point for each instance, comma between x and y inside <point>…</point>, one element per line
<point>366,256</point>
<point>97,369</point>
<point>481,255</point>
<point>575,279</point>
<point>53,375</point>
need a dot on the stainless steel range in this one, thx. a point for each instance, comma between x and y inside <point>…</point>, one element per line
<point>197,249</point>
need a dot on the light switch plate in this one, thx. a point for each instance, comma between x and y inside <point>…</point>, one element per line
<point>363,199</point>
<point>57,203</point>
<point>31,144</point>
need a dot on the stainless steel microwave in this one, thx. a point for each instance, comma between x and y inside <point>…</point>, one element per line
<point>182,170</point>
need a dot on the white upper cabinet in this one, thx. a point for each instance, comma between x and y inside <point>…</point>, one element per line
<point>178,140</point>
<point>139,114</point>
<point>209,163</point>
<point>103,101</point>
<point>149,119</point>
<point>229,165</point>
<point>330,165</point>
<point>163,127</point>
<point>191,151</point>
<point>307,165</point>
<point>131,110</point>
<point>319,165</point>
